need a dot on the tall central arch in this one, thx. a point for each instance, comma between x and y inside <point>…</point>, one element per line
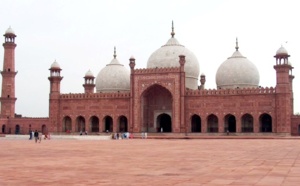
<point>155,102</point>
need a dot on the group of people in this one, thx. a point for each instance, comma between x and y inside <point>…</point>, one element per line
<point>84,133</point>
<point>37,136</point>
<point>125,135</point>
<point>144,135</point>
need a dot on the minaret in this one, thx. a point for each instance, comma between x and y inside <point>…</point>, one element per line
<point>283,92</point>
<point>8,98</point>
<point>89,84</point>
<point>55,79</point>
<point>291,77</point>
<point>132,94</point>
<point>54,97</point>
<point>182,124</point>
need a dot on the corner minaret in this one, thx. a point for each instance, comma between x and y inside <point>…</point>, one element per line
<point>282,68</point>
<point>283,92</point>
<point>55,79</point>
<point>54,97</point>
<point>8,73</point>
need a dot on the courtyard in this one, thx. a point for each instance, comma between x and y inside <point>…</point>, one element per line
<point>178,162</point>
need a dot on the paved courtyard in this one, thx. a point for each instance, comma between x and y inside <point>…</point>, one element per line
<point>151,162</point>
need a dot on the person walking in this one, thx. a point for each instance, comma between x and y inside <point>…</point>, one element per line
<point>36,136</point>
<point>30,135</point>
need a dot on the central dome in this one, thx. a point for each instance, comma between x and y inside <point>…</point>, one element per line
<point>168,56</point>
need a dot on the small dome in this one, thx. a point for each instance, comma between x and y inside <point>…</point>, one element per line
<point>89,74</point>
<point>55,65</point>
<point>168,56</point>
<point>281,51</point>
<point>237,72</point>
<point>9,31</point>
<point>113,77</point>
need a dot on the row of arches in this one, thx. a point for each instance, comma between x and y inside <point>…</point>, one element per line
<point>19,130</point>
<point>247,123</point>
<point>164,123</point>
<point>94,124</point>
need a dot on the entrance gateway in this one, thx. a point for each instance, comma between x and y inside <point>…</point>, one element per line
<point>162,122</point>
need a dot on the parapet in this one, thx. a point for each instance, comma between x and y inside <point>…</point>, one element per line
<point>95,95</point>
<point>157,70</point>
<point>242,91</point>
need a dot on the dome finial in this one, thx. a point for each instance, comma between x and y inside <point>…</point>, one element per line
<point>172,33</point>
<point>115,54</point>
<point>236,44</point>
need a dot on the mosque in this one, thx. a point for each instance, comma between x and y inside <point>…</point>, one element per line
<point>169,96</point>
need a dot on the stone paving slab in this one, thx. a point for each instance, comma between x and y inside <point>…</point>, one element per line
<point>209,162</point>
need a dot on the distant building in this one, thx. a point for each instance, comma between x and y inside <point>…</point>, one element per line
<point>167,96</point>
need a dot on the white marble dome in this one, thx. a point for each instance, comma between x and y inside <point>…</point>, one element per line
<point>9,31</point>
<point>168,56</point>
<point>89,74</point>
<point>55,65</point>
<point>237,72</point>
<point>281,51</point>
<point>114,77</point>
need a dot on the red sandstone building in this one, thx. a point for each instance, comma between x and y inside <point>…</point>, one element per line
<point>167,96</point>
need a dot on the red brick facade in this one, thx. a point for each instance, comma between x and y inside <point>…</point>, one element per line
<point>157,102</point>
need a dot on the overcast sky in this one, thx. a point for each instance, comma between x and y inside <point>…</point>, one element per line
<point>81,35</point>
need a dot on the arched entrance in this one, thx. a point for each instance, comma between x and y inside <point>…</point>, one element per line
<point>212,123</point>
<point>80,124</point>
<point>299,130</point>
<point>94,124</point>
<point>3,129</point>
<point>67,124</point>
<point>155,101</point>
<point>44,129</point>
<point>18,129</point>
<point>123,126</point>
<point>265,121</point>
<point>195,123</point>
<point>247,123</point>
<point>164,123</point>
<point>108,124</point>
<point>230,123</point>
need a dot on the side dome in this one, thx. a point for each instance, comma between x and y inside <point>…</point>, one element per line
<point>168,56</point>
<point>237,72</point>
<point>113,77</point>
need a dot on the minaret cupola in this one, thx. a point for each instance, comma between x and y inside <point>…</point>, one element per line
<point>89,84</point>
